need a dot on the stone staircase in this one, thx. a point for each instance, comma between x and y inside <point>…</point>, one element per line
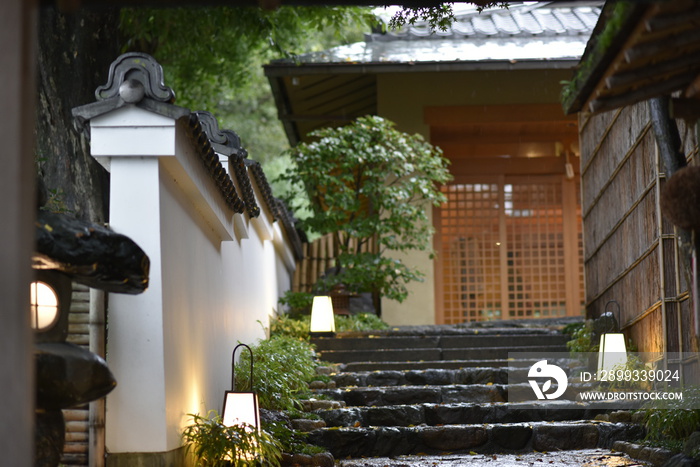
<point>440,389</point>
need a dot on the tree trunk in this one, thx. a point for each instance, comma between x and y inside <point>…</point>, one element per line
<point>75,51</point>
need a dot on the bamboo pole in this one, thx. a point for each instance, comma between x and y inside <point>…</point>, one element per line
<point>96,418</point>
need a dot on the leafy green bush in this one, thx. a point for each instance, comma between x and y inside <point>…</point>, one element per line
<point>285,325</point>
<point>297,303</point>
<point>581,337</point>
<point>283,366</point>
<point>217,445</point>
<point>360,322</point>
<point>298,327</point>
<point>670,422</point>
<point>291,441</point>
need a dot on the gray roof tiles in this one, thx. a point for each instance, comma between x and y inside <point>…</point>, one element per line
<point>524,31</point>
<point>137,79</point>
<point>529,18</point>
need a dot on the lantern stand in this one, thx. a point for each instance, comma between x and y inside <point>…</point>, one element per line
<point>612,351</point>
<point>322,317</point>
<point>241,408</point>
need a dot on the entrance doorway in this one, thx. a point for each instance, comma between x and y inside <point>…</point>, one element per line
<point>509,247</point>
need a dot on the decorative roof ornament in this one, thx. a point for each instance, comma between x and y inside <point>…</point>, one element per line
<point>226,142</point>
<point>133,76</point>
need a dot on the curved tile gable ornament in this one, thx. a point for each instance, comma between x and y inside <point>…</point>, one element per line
<point>226,142</point>
<point>134,75</point>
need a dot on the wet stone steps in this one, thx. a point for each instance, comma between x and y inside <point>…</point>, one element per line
<point>371,342</point>
<point>493,345</point>
<point>393,395</point>
<point>436,394</point>
<point>455,413</point>
<point>430,376</point>
<point>432,354</point>
<point>481,438</point>
<point>367,366</point>
<point>432,390</point>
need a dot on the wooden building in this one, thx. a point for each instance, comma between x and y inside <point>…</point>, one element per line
<point>640,55</point>
<point>486,91</point>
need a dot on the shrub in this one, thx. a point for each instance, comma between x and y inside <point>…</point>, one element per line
<point>581,337</point>
<point>298,327</point>
<point>217,445</point>
<point>297,303</point>
<point>670,422</point>
<point>283,366</point>
<point>360,322</point>
<point>286,325</point>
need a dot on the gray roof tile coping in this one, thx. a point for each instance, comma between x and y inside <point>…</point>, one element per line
<point>137,79</point>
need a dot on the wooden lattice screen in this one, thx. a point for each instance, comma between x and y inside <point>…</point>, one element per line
<point>509,249</point>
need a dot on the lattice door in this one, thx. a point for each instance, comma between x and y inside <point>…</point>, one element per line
<point>509,250</point>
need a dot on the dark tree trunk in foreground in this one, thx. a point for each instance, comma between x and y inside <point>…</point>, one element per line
<point>75,51</point>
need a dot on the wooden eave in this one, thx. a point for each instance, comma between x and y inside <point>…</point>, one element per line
<point>313,95</point>
<point>654,50</point>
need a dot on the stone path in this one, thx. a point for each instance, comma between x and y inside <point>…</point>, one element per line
<point>438,396</point>
<point>584,457</point>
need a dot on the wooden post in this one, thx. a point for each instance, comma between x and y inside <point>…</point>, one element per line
<point>17,209</point>
<point>96,456</point>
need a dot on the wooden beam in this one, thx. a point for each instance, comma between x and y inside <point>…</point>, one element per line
<point>665,45</point>
<point>685,109</point>
<point>640,76</point>
<point>483,166</point>
<point>602,104</point>
<point>17,211</point>
<point>466,114</point>
<point>504,137</point>
<point>468,150</point>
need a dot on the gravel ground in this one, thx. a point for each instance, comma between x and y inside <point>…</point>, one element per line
<point>585,458</point>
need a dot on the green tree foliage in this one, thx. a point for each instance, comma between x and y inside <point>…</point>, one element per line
<point>439,17</point>
<point>368,181</point>
<point>213,56</point>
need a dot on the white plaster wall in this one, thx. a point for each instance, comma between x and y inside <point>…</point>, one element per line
<point>170,347</point>
<point>135,338</point>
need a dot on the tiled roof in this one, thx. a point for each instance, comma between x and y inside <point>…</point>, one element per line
<point>524,31</point>
<point>520,19</point>
<point>137,79</point>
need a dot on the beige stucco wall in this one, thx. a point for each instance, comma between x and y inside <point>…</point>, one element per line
<point>402,98</point>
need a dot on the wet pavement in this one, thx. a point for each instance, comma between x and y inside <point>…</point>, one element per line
<point>585,458</point>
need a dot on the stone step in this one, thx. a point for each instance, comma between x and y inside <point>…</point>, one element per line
<point>370,342</point>
<point>400,395</point>
<point>430,365</point>
<point>444,394</point>
<point>458,414</point>
<point>432,354</point>
<point>430,376</point>
<point>481,438</point>
<point>524,326</point>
